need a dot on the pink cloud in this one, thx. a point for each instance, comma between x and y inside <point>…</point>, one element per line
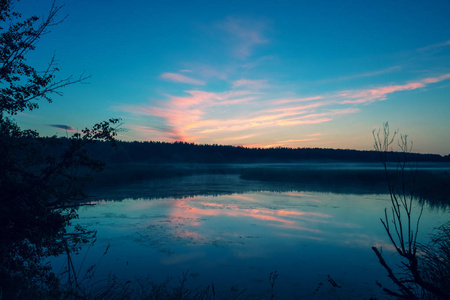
<point>264,121</point>
<point>436,79</point>
<point>380,93</point>
<point>188,115</point>
<point>237,138</point>
<point>166,132</point>
<point>302,122</point>
<point>237,115</point>
<point>181,78</point>
<point>159,133</point>
<point>196,98</point>
<point>183,113</point>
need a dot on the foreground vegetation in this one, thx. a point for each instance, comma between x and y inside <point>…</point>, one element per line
<point>42,181</point>
<point>425,268</point>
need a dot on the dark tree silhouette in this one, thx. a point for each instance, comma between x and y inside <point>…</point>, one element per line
<point>421,263</point>
<point>40,184</point>
<point>21,84</point>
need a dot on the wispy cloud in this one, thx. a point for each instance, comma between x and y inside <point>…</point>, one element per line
<point>436,79</point>
<point>237,115</point>
<point>237,138</point>
<point>245,34</point>
<point>28,115</point>
<point>258,62</point>
<point>251,84</point>
<point>63,127</point>
<point>181,78</point>
<point>315,134</point>
<point>182,114</point>
<point>361,75</point>
<point>168,132</point>
<point>284,101</point>
<point>434,46</point>
<point>208,71</point>
<point>380,93</point>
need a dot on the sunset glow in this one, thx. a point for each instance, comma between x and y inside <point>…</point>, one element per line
<point>255,74</point>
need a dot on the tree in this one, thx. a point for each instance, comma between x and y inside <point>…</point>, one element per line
<point>42,179</point>
<point>422,264</point>
<point>21,84</point>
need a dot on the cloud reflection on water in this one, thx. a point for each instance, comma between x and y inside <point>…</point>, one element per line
<point>231,219</point>
<point>195,213</point>
<point>235,231</point>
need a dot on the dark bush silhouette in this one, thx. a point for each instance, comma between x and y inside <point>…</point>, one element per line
<point>41,180</point>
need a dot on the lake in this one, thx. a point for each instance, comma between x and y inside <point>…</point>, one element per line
<point>233,233</point>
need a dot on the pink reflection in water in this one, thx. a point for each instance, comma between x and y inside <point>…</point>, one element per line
<point>192,213</point>
<point>211,204</point>
<point>240,197</point>
<point>258,214</point>
<point>298,213</point>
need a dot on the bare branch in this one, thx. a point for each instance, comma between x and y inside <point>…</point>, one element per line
<point>403,234</point>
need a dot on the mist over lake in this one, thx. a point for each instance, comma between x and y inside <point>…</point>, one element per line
<point>232,232</point>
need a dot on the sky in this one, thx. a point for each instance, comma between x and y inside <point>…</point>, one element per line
<point>250,73</point>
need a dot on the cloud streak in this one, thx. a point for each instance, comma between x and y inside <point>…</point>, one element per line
<point>361,75</point>
<point>381,93</point>
<point>181,78</point>
<point>434,46</point>
<point>235,115</point>
<point>63,127</point>
<point>244,34</point>
<point>251,84</point>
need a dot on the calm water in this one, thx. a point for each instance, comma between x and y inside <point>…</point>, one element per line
<point>228,231</point>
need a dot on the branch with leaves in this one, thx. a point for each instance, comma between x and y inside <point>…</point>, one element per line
<point>21,84</point>
<point>42,179</point>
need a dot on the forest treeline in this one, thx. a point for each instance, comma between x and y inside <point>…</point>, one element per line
<point>182,152</point>
<point>131,162</point>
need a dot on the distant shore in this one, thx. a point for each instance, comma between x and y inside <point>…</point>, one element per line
<point>432,180</point>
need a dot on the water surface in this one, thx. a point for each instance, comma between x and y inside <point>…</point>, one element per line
<point>229,231</point>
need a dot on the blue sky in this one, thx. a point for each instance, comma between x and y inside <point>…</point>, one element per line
<point>252,73</point>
